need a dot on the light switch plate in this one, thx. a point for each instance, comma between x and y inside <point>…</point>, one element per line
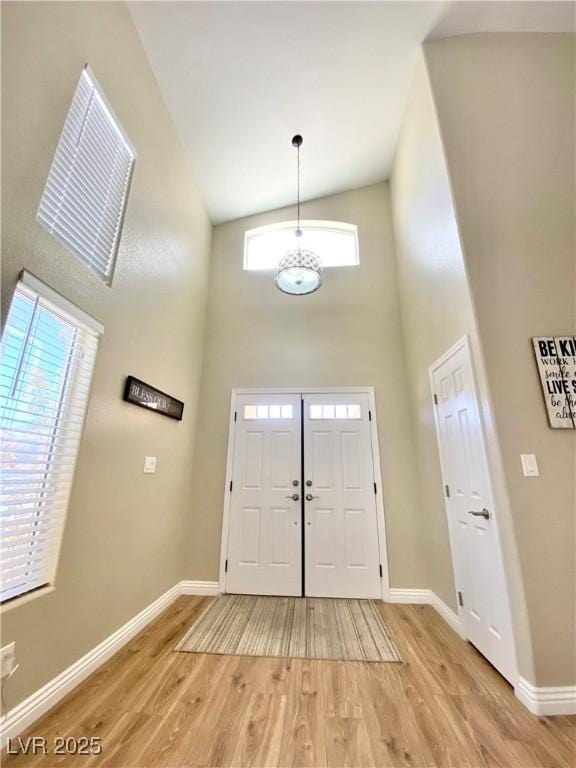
<point>529,465</point>
<point>7,659</point>
<point>149,465</point>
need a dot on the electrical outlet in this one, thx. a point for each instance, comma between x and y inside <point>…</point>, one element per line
<point>7,660</point>
<point>149,465</point>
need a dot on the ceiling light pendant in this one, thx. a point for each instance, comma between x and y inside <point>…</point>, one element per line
<point>299,271</point>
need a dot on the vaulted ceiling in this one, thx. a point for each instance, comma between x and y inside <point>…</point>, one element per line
<point>240,78</point>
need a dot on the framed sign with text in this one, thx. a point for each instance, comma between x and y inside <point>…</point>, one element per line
<point>142,394</point>
<point>556,359</point>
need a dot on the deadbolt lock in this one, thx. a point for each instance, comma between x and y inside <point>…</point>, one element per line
<point>295,483</point>
<point>308,483</point>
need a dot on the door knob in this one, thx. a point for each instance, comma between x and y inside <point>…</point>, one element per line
<point>483,513</point>
<point>309,497</point>
<point>294,497</point>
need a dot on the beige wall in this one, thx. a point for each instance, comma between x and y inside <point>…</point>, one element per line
<point>437,310</point>
<point>507,121</point>
<point>346,334</point>
<point>506,111</point>
<point>435,302</point>
<point>122,545</point>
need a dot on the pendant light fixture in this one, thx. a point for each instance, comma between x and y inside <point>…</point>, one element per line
<point>299,271</point>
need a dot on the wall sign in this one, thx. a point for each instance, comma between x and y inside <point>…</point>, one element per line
<point>139,393</point>
<point>556,358</point>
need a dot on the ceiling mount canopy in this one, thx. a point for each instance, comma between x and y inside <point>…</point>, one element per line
<point>299,271</point>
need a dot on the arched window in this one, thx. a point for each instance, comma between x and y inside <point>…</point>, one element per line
<point>335,242</point>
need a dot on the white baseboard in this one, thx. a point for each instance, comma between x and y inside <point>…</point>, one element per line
<point>540,701</point>
<point>559,700</point>
<point>412,596</point>
<point>28,711</point>
<point>199,588</point>
<point>449,616</point>
<point>426,597</point>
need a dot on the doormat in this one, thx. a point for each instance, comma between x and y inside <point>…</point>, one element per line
<point>292,627</point>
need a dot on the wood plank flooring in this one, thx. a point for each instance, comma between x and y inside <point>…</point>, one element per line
<point>445,706</point>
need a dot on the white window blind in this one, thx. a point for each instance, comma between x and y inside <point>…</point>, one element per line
<point>87,188</point>
<point>47,358</point>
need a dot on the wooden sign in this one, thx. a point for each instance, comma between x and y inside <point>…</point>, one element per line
<point>556,359</point>
<point>139,393</point>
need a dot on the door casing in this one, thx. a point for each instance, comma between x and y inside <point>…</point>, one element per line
<point>380,518</point>
<point>464,343</point>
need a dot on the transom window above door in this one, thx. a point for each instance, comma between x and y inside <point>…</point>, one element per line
<point>334,242</point>
<point>268,412</point>
<point>332,411</point>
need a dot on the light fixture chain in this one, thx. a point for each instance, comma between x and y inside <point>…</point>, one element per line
<point>299,271</point>
<point>298,186</point>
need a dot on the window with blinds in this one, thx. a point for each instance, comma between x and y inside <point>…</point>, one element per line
<point>47,358</point>
<point>87,188</point>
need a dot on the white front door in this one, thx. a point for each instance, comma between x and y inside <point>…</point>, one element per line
<point>341,531</point>
<point>478,565</point>
<point>264,543</point>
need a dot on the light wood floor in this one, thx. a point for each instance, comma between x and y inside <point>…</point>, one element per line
<point>444,707</point>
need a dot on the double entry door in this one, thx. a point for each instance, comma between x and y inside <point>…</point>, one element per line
<point>302,514</point>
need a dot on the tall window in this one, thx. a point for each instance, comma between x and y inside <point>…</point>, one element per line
<point>47,358</point>
<point>85,195</point>
<point>334,242</point>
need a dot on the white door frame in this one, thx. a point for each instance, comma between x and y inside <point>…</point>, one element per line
<point>464,343</point>
<point>380,519</point>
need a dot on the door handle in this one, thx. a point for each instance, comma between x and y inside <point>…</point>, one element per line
<point>309,497</point>
<point>294,497</point>
<point>484,513</point>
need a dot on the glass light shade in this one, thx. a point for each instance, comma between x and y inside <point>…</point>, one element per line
<point>298,272</point>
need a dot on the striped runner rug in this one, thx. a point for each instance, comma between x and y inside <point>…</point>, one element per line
<point>294,627</point>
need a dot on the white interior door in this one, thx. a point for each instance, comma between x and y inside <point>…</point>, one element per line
<point>478,564</point>
<point>264,541</point>
<point>341,530</point>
